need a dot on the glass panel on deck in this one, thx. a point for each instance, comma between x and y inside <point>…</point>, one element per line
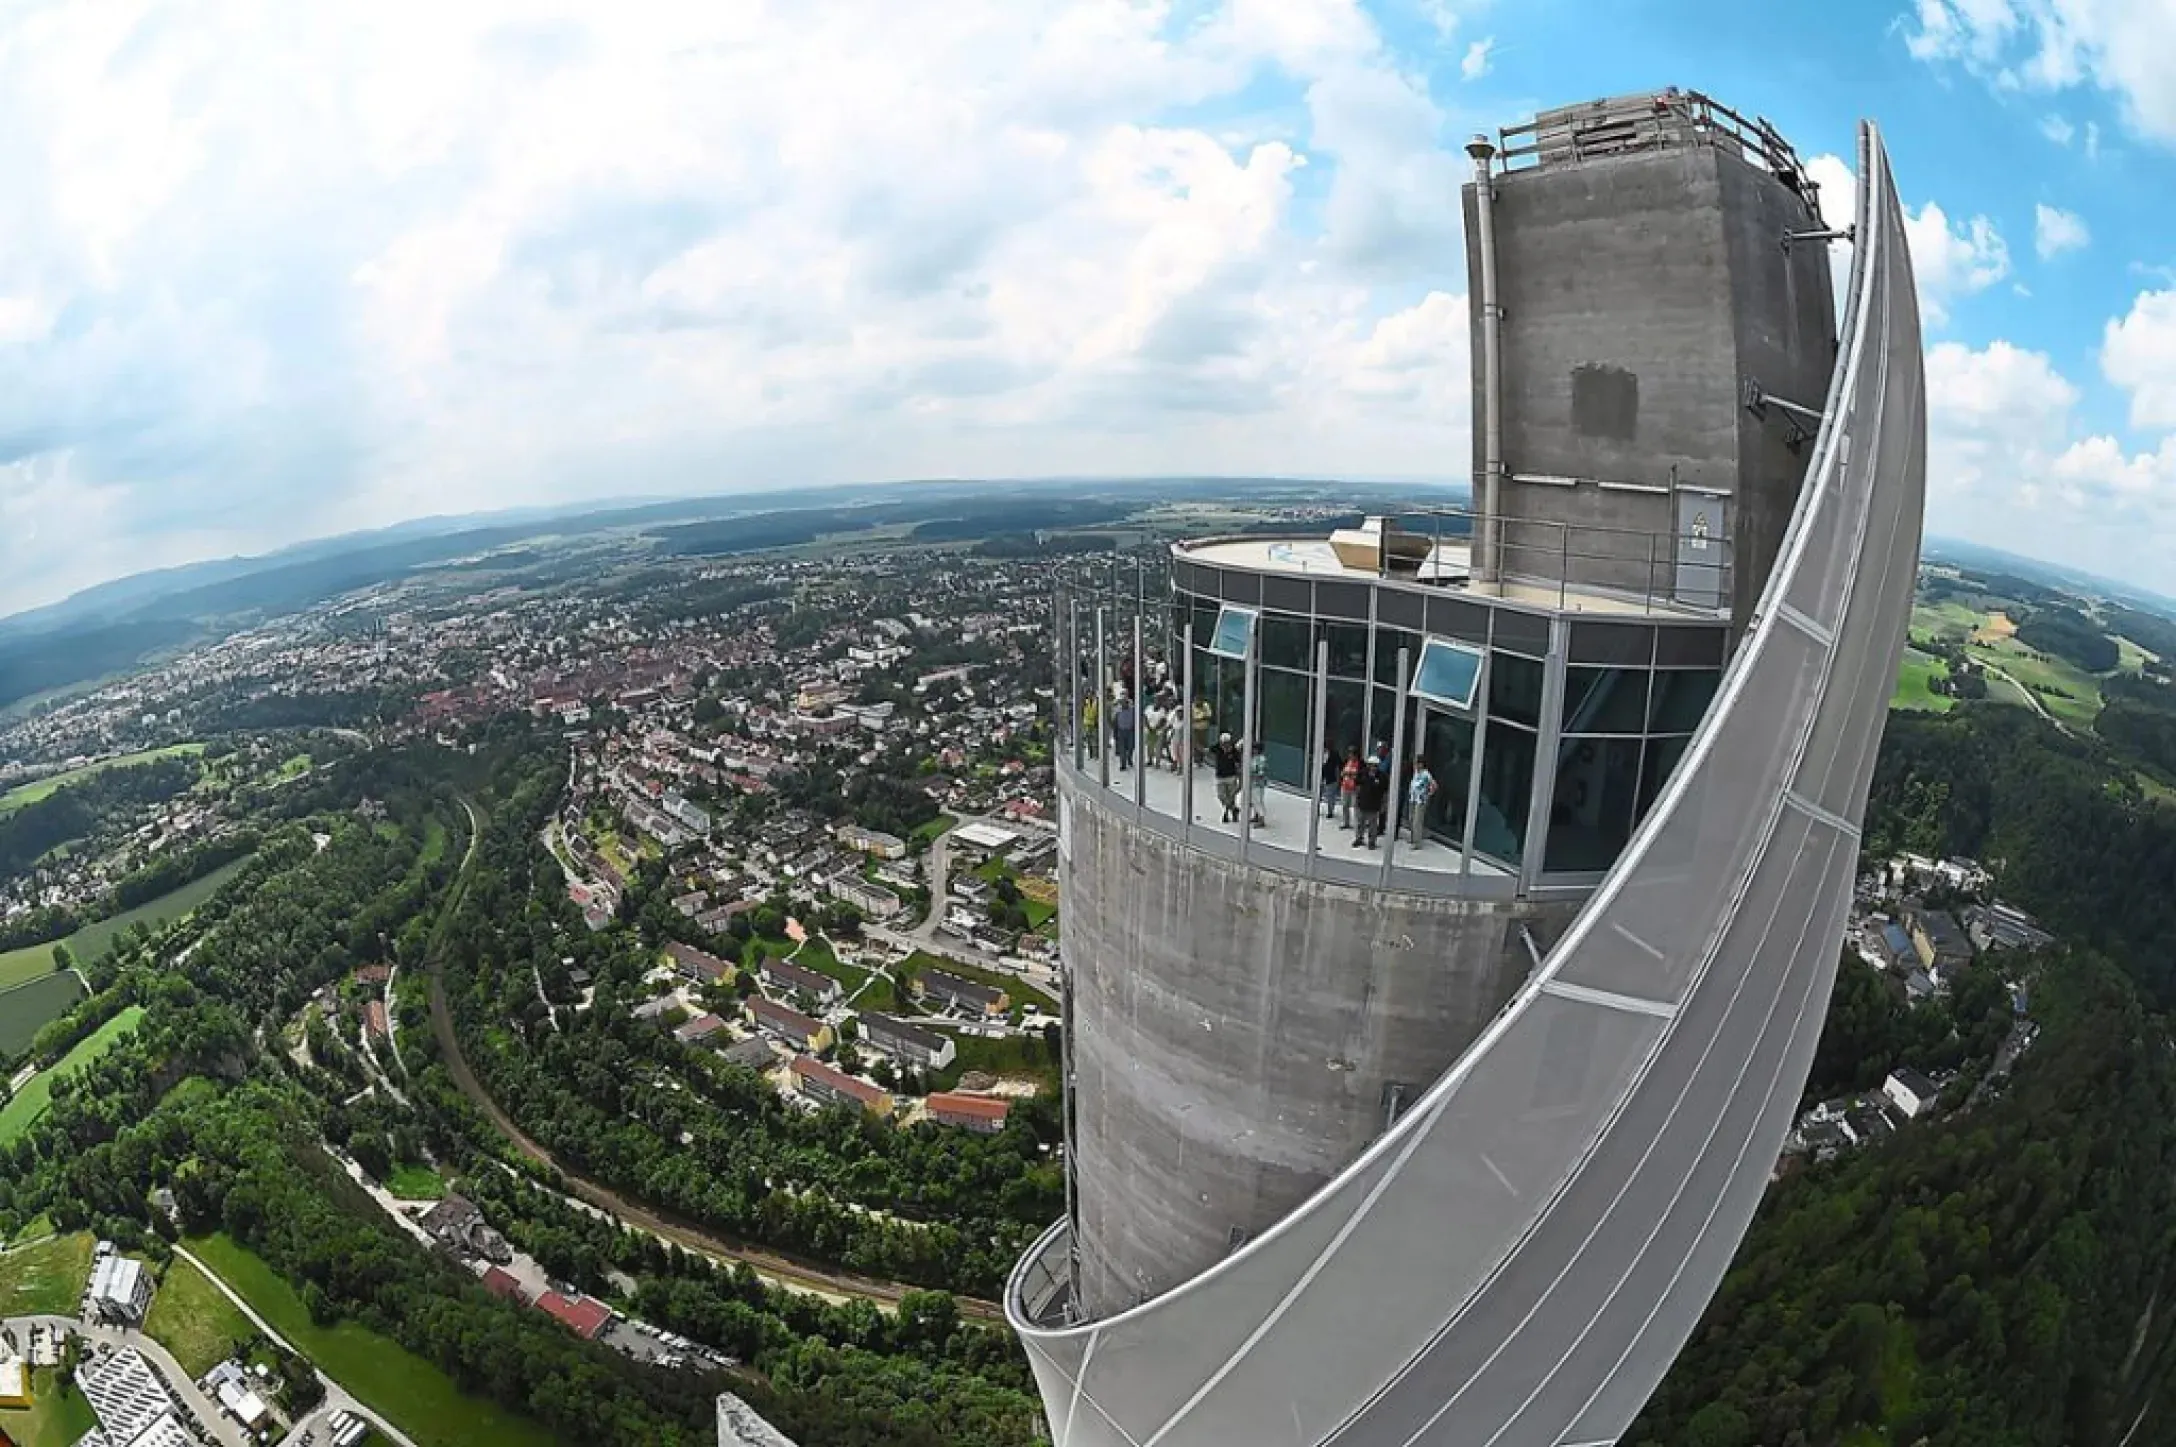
<point>1507,787</point>
<point>1605,701</point>
<point>1234,631</point>
<point>1591,812</point>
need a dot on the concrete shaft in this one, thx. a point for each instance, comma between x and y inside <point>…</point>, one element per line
<point>1237,1033</point>
<point>1639,293</point>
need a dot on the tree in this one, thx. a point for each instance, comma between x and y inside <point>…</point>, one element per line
<point>62,960</point>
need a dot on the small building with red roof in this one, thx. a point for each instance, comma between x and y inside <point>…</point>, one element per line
<point>984,1114</point>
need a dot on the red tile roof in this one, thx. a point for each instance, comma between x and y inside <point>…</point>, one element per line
<point>374,1018</point>
<point>502,1283</point>
<point>969,1107</point>
<point>581,1315</point>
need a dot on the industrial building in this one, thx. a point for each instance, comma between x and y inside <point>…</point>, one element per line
<point>1447,1136</point>
<point>120,1288</point>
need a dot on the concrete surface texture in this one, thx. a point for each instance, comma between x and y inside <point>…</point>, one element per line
<point>1240,1035</point>
<point>1639,292</point>
<point>1520,1257</point>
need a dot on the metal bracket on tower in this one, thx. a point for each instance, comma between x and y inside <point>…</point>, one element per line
<point>1798,418</point>
<point>1831,233</point>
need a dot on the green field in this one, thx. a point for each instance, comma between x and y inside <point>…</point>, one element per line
<point>56,1417</point>
<point>28,1008</point>
<point>1012,1055</point>
<point>46,1279</point>
<point>32,792</point>
<point>2030,669</point>
<point>89,942</point>
<point>411,1182</point>
<point>928,834</point>
<point>1915,683</point>
<point>416,1397</point>
<point>30,1102</point>
<point>193,1319</point>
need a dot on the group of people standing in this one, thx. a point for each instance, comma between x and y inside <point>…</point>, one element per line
<point>1354,788</point>
<point>1363,785</point>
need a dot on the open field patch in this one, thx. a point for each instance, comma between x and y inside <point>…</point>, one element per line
<point>27,1008</point>
<point>21,1112</point>
<point>32,792</point>
<point>46,1279</point>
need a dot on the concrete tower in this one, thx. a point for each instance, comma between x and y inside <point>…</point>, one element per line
<point>1251,1003</point>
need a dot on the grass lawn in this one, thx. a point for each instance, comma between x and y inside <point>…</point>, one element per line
<point>2157,791</point>
<point>35,1227</point>
<point>1915,684</point>
<point>30,1102</point>
<point>46,1279</point>
<point>55,1417</point>
<point>1951,618</point>
<point>416,1397</point>
<point>191,1318</point>
<point>293,768</point>
<point>434,843</point>
<point>2130,658</point>
<point>37,789</point>
<point>412,1182</point>
<point>928,834</point>
<point>1012,1055</point>
<point>27,1009</point>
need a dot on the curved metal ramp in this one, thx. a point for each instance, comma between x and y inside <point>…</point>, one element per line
<point>1517,1262</point>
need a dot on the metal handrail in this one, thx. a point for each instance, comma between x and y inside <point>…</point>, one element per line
<point>1703,120</point>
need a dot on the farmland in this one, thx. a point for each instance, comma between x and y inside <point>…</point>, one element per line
<point>89,942</point>
<point>1915,683</point>
<point>28,1008</point>
<point>31,793</point>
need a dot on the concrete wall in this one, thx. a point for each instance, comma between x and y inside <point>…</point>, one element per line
<point>1638,292</point>
<point>1233,1031</point>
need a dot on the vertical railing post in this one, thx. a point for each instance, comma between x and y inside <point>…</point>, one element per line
<point>1393,806</point>
<point>1103,696</point>
<point>1321,736</point>
<point>1186,732</point>
<point>1134,702</point>
<point>1248,746</point>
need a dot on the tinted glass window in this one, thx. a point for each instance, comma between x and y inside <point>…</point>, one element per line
<point>1514,689</point>
<point>1285,642</point>
<point>1605,700</point>
<point>1681,698</point>
<point>1591,812</point>
<point>1348,649</point>
<point>1285,722</point>
<point>1507,787</point>
<point>1387,643</point>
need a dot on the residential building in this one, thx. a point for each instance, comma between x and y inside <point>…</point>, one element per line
<point>698,1030</point>
<point>783,974</point>
<point>120,1289</point>
<point>2000,926</point>
<point>955,992</point>
<point>835,1087</point>
<point>873,900</point>
<point>794,1027</point>
<point>872,841</point>
<point>1911,1093</point>
<point>755,1053</point>
<point>697,966</point>
<point>983,1114</point>
<point>895,1037</point>
<point>1939,940</point>
<point>583,1315</point>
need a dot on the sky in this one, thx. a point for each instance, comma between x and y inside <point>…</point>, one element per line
<point>272,271</point>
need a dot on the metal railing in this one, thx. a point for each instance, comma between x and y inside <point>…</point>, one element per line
<point>1648,121</point>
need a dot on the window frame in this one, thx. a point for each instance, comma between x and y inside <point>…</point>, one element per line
<point>1463,706</point>
<point>1216,634</point>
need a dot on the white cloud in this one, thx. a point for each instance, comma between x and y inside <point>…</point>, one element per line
<point>2138,354</point>
<point>1476,63</point>
<point>1952,262</point>
<point>2119,47</point>
<point>2005,466</point>
<point>2057,129</point>
<point>475,254</point>
<point>2055,231</point>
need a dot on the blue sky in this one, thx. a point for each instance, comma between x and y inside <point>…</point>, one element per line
<point>270,272</point>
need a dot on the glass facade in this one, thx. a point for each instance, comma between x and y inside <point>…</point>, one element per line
<point>1588,717</point>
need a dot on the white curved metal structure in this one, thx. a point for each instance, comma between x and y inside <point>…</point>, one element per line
<point>1518,1260</point>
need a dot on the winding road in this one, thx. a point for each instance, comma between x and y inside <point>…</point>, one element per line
<point>779,1269</point>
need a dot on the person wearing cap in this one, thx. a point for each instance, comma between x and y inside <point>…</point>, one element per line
<point>1224,758</point>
